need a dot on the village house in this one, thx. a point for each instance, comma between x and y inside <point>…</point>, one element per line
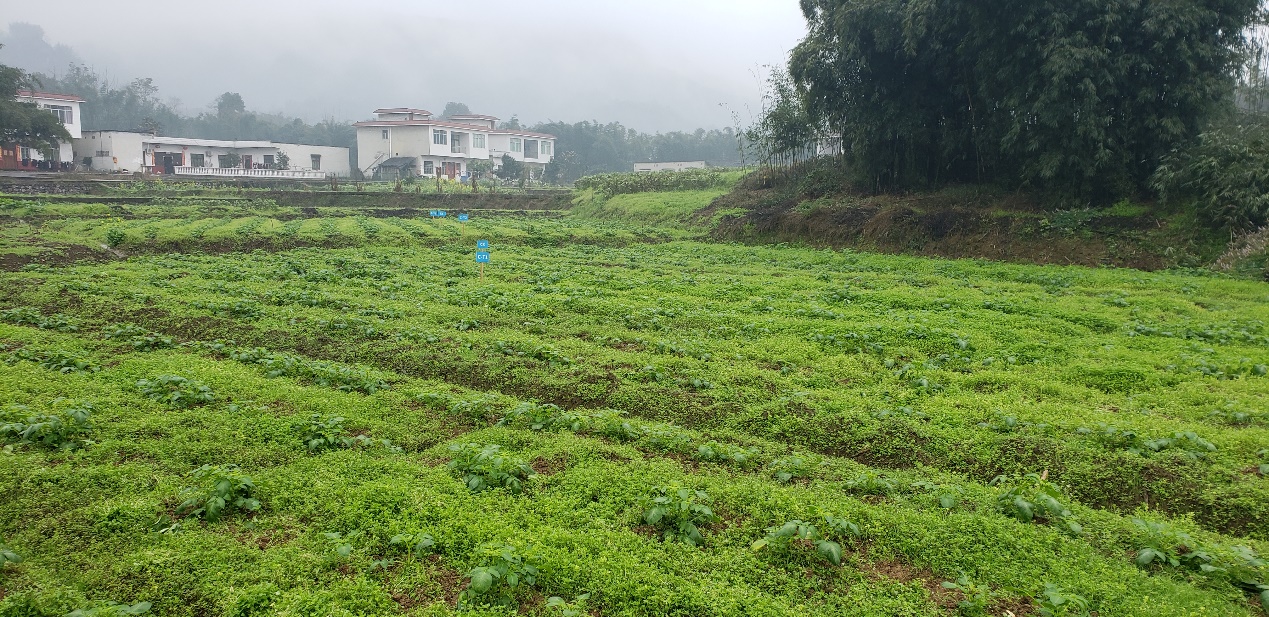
<point>403,142</point>
<point>131,151</point>
<point>67,109</point>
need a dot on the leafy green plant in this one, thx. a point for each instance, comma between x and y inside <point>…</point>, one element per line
<point>612,424</point>
<point>65,430</point>
<point>115,237</point>
<point>539,417</point>
<point>176,391</point>
<point>329,434</point>
<point>784,538</point>
<point>485,467</point>
<point>560,607</point>
<point>1056,602</point>
<point>66,362</point>
<point>217,490</point>
<point>505,571</point>
<point>717,452</point>
<point>789,468</point>
<point>869,483</point>
<point>1033,498</point>
<point>342,542</point>
<point>1263,468</point>
<point>28,316</point>
<point>239,310</point>
<point>7,555</point>
<point>111,609</point>
<point>678,513</point>
<point>949,495</point>
<point>416,544</point>
<point>975,597</point>
<point>318,372</point>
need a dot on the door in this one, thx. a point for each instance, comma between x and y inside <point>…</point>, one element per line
<point>450,169</point>
<point>246,161</point>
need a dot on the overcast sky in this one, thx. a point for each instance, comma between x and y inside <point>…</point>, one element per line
<point>654,65</point>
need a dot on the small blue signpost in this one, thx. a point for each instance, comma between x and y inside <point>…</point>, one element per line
<point>433,213</point>
<point>482,244</point>
<point>482,257</point>
<point>462,218</point>
<point>441,213</point>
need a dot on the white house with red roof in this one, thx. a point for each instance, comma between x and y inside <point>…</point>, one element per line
<point>401,142</point>
<point>67,109</point>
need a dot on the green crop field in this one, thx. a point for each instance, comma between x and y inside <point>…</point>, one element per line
<point>254,412</point>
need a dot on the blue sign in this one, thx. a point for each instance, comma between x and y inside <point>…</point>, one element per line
<point>462,218</point>
<point>482,244</point>
<point>482,257</point>
<point>440,213</point>
<point>434,213</point>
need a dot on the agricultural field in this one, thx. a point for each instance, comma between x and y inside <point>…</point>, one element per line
<point>256,411</point>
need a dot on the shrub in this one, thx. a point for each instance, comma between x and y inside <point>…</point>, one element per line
<point>485,467</point>
<point>115,237</point>
<point>218,490</point>
<point>538,417</point>
<point>716,452</point>
<point>176,391</point>
<point>65,430</point>
<point>678,513</point>
<point>1226,171</point>
<point>495,583</point>
<point>786,537</point>
<point>27,316</point>
<point>1034,499</point>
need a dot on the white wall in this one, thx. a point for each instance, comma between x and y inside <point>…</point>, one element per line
<point>680,166</point>
<point>334,160</point>
<point>122,150</point>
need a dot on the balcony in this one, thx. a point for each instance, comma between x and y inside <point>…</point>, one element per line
<point>457,149</point>
<point>238,172</point>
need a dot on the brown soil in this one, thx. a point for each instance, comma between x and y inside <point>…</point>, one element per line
<point>54,255</point>
<point>552,465</point>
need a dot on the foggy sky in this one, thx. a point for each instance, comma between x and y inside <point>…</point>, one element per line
<point>654,65</point>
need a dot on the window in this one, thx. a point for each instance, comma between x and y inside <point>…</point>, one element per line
<point>63,113</point>
<point>197,160</point>
<point>546,148</point>
<point>102,153</point>
<point>26,154</point>
<point>530,148</point>
<point>429,168</point>
<point>517,144</point>
<point>440,138</point>
<point>478,141</point>
<point>268,161</point>
<point>317,161</point>
<point>385,133</point>
<point>222,161</point>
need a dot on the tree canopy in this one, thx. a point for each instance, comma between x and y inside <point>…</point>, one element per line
<point>455,109</point>
<point>1081,96</point>
<point>23,123</point>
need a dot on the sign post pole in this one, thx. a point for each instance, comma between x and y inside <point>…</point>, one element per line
<point>482,256</point>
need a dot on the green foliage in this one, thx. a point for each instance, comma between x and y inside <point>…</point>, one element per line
<point>329,434</point>
<point>539,417</point>
<point>976,597</point>
<point>678,513</point>
<point>1056,602</point>
<point>560,607</point>
<point>612,184</point>
<point>825,539</point>
<point>115,237</point>
<point>504,573</point>
<point>176,391</point>
<point>729,454</point>
<point>25,124</point>
<point>485,467</point>
<point>65,430</point>
<point>1042,95</point>
<point>140,338</point>
<point>111,609</point>
<point>789,468</point>
<point>60,361</point>
<point>319,372</point>
<point>240,309</point>
<point>7,556</point>
<point>27,316</point>
<point>1226,171</point>
<point>1033,498</point>
<point>869,483</point>
<point>416,544</point>
<point>218,490</point>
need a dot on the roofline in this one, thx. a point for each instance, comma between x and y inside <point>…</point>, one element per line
<point>53,96</point>
<point>451,125</point>
<point>402,110</point>
<point>475,117</point>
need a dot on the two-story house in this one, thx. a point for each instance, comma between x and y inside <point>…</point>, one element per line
<point>403,142</point>
<point>67,109</point>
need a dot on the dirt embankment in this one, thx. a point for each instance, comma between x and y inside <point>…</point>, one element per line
<point>963,222</point>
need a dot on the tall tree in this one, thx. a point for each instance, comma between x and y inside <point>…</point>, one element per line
<point>24,124</point>
<point>455,109</point>
<point>229,104</point>
<point>1084,96</point>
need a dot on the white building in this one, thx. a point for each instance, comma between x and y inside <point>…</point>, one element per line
<point>128,151</point>
<point>403,141</point>
<point>67,109</point>
<point>678,166</point>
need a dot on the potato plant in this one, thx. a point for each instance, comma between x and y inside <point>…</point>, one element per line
<point>505,571</point>
<point>328,433</point>
<point>216,491</point>
<point>678,513</point>
<point>486,467</point>
<point>7,555</point>
<point>1032,498</point>
<point>111,609</point>
<point>176,391</point>
<point>65,430</point>
<point>826,539</point>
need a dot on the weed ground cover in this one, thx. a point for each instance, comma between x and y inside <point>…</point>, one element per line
<point>623,420</point>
